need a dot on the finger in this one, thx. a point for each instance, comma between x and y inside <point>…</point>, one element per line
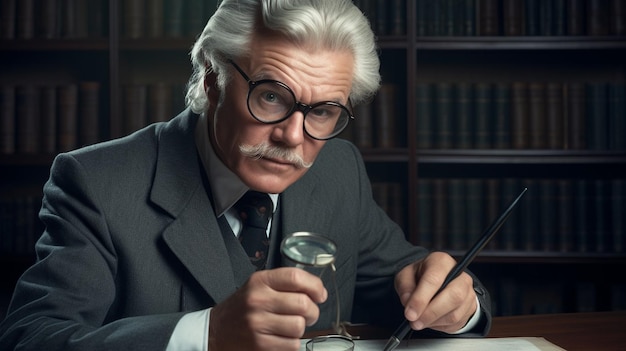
<point>289,279</point>
<point>450,309</point>
<point>405,283</point>
<point>430,275</point>
<point>295,304</point>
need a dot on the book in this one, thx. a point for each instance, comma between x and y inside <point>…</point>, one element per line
<point>7,19</point>
<point>89,113</point>
<point>559,21</point>
<point>134,18</point>
<point>194,17</point>
<point>546,18</point>
<point>597,116</point>
<point>513,17</point>
<point>581,216</point>
<point>363,125</point>
<point>484,115</point>
<point>24,20</point>
<point>617,11</point>
<point>502,116</point>
<point>532,17</point>
<point>492,189</point>
<point>397,17</point>
<point>160,102</point>
<point>477,213</point>
<point>565,215</point>
<point>547,215</point>
<point>488,17</point>
<point>511,229</point>
<point>27,115</point>
<point>529,216</point>
<point>575,17</point>
<point>154,18</point>
<point>456,214</point>
<point>537,125</point>
<point>67,95</point>
<point>173,19</point>
<point>425,212</point>
<point>135,107</point>
<point>519,115</point>
<point>617,116</point>
<point>600,217</point>
<point>7,119</point>
<point>575,116</point>
<point>48,118</point>
<point>555,119</point>
<point>465,116</point>
<point>597,17</point>
<point>385,115</point>
<point>47,24</point>
<point>444,104</point>
<point>440,215</point>
<point>424,115</point>
<point>618,220</point>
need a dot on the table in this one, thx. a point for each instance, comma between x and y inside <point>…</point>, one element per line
<point>597,331</point>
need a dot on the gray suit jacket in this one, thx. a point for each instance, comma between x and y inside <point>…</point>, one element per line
<point>132,243</point>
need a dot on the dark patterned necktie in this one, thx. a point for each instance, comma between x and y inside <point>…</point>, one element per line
<point>255,210</point>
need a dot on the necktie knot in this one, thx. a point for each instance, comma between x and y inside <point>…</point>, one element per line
<point>255,210</point>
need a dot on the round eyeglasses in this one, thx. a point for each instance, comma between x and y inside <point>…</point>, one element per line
<point>270,101</point>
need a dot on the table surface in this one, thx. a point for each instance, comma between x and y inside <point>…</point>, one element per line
<point>598,331</point>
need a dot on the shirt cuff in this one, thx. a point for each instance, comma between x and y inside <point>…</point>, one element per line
<point>191,333</point>
<point>472,322</point>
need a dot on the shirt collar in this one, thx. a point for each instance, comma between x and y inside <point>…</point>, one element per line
<point>226,187</point>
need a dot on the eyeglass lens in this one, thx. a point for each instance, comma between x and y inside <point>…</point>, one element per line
<point>271,101</point>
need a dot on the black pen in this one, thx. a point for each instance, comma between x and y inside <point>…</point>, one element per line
<point>405,327</point>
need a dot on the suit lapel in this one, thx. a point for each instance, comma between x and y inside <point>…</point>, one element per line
<point>194,235</point>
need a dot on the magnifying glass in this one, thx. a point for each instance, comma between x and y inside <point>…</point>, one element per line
<point>307,249</point>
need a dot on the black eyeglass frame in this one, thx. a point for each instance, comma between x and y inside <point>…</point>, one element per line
<point>298,106</point>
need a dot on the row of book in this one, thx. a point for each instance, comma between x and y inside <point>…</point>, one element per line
<point>546,295</point>
<point>144,103</point>
<point>521,17</point>
<point>555,215</point>
<point>521,115</point>
<point>47,119</point>
<point>53,19</point>
<point>165,18</point>
<point>20,226</point>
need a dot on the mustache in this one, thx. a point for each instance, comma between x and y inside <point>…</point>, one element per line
<point>276,152</point>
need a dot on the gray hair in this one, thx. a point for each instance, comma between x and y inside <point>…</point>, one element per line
<point>330,24</point>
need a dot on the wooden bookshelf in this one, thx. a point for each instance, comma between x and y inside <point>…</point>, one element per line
<point>408,58</point>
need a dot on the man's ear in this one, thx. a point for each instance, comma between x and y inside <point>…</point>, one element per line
<point>210,87</point>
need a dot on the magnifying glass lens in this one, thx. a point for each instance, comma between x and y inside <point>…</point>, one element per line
<point>309,249</point>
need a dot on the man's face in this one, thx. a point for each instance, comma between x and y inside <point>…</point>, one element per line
<point>313,76</point>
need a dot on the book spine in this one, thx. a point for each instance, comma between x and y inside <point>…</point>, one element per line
<point>456,215</point>
<point>617,11</point>
<point>134,18</point>
<point>512,13</point>
<point>385,108</point>
<point>581,214</point>
<point>194,19</point>
<point>363,125</point>
<point>597,17</point>
<point>565,215</point>
<point>444,113</point>
<point>48,119</point>
<point>529,216</point>
<point>532,18</point>
<point>397,17</point>
<point>618,220</point>
<point>27,112</point>
<point>575,17</point>
<point>154,18</point>
<point>425,213</point>
<point>546,18</point>
<point>425,115</point>
<point>519,115</point>
<point>68,117</point>
<point>89,113</point>
<point>510,231</point>
<point>7,119</point>
<point>25,21</point>
<point>548,214</point>
<point>464,116</point>
<point>492,187</point>
<point>484,117</point>
<point>488,17</point>
<point>600,219</point>
<point>575,116</point>
<point>67,19</point>
<point>476,209</point>
<point>597,116</point>
<point>7,19</point>
<point>617,116</point>
<point>47,19</point>
<point>555,116</point>
<point>502,116</point>
<point>173,19</point>
<point>537,116</point>
<point>160,102</point>
<point>440,216</point>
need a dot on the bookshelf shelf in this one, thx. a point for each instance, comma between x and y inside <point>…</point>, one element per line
<point>157,44</point>
<point>504,157</point>
<point>33,45</point>
<point>522,43</point>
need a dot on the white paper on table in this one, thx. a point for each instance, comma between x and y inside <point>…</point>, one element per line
<point>457,344</point>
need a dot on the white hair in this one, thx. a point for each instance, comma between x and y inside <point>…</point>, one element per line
<point>331,24</point>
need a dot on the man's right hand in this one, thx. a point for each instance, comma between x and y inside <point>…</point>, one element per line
<point>270,312</point>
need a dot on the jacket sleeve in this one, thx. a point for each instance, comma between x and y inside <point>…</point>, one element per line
<point>64,301</point>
